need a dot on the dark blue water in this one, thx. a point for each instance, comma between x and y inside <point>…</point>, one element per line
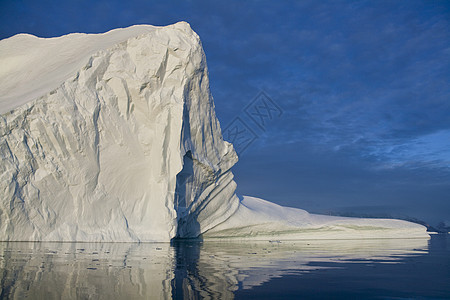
<point>371,269</point>
<point>423,276</point>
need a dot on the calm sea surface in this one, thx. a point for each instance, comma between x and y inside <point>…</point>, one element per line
<point>370,269</point>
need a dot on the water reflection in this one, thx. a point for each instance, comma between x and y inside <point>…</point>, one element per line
<point>85,270</point>
<point>182,270</point>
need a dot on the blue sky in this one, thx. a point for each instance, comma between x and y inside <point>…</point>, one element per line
<point>363,87</point>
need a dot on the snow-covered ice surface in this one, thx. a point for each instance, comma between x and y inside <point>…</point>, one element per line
<point>258,219</point>
<point>113,137</point>
<point>32,66</point>
<point>96,156</point>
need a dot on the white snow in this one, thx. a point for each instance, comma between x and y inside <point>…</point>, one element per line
<point>113,137</point>
<point>32,66</point>
<point>96,156</point>
<point>258,219</point>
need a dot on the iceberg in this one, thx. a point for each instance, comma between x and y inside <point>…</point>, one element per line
<point>257,219</point>
<point>114,137</point>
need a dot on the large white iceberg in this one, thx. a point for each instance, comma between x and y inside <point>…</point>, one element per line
<point>113,137</point>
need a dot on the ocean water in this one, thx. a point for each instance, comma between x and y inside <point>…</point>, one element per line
<point>186,269</point>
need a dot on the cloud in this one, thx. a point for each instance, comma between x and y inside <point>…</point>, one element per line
<point>363,85</point>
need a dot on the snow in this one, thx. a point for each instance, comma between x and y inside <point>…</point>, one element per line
<point>96,156</point>
<point>257,219</point>
<point>114,137</point>
<point>33,66</point>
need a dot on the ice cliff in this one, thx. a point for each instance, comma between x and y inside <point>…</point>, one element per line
<point>96,156</point>
<point>113,137</point>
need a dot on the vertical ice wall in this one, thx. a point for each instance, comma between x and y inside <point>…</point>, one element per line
<point>101,154</point>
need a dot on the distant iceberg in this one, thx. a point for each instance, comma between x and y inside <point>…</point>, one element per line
<point>114,137</point>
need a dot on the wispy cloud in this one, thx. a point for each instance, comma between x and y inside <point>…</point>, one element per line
<point>363,85</point>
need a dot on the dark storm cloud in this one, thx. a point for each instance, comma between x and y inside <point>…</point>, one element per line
<point>364,87</point>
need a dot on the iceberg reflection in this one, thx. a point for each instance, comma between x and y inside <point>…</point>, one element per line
<point>181,270</point>
<point>85,270</point>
